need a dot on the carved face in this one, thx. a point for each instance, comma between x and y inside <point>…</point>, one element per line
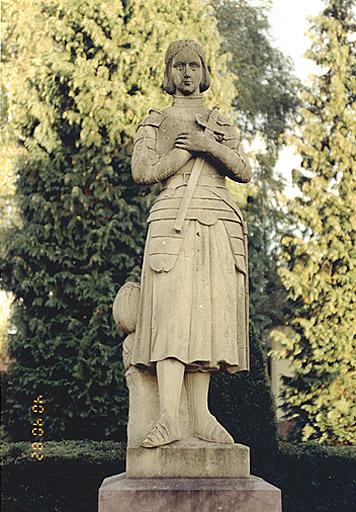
<point>187,73</point>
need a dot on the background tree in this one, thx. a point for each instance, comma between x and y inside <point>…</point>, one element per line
<point>265,84</point>
<point>319,271</point>
<point>265,104</point>
<point>9,217</point>
<point>79,77</point>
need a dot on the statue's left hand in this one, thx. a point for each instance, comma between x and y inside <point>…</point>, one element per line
<point>196,142</point>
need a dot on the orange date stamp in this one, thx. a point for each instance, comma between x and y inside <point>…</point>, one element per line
<point>38,431</point>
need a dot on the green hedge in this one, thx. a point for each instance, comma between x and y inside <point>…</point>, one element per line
<point>316,478</point>
<point>66,480</point>
<point>312,478</point>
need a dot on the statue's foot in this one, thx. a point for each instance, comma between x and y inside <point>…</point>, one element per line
<point>211,430</point>
<point>166,431</point>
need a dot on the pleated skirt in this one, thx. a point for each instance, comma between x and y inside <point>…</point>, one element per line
<point>194,309</point>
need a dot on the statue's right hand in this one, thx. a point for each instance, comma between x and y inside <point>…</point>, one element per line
<point>195,142</point>
<point>183,152</point>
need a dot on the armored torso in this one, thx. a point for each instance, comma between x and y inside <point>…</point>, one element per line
<point>178,119</point>
<point>210,202</point>
<point>205,259</point>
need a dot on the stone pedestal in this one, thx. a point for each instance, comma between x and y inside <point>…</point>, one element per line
<point>121,494</point>
<point>189,459</point>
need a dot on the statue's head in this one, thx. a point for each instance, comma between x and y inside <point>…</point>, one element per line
<point>186,72</point>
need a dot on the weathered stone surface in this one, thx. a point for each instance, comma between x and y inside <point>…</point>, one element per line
<point>144,406</point>
<point>188,317</point>
<point>189,460</point>
<point>121,494</point>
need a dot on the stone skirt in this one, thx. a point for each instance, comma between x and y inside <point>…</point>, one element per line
<point>194,299</point>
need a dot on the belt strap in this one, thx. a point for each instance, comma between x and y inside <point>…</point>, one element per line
<point>194,177</point>
<point>214,180</point>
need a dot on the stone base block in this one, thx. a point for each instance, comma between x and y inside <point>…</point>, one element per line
<point>197,459</point>
<point>121,494</point>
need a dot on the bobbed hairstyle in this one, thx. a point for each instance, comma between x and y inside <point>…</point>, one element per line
<point>173,49</point>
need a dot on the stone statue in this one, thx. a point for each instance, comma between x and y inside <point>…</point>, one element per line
<point>192,305</point>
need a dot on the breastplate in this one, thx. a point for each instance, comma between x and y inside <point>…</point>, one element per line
<point>177,120</point>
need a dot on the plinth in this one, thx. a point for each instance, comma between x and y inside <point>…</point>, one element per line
<point>188,476</point>
<point>189,459</point>
<point>121,494</point>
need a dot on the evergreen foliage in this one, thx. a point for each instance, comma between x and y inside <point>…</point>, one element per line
<point>8,215</point>
<point>265,104</point>
<point>79,77</point>
<point>265,85</point>
<point>244,405</point>
<point>66,480</point>
<point>317,478</point>
<point>319,257</point>
<point>312,478</point>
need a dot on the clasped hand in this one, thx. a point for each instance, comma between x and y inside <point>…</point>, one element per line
<point>195,142</point>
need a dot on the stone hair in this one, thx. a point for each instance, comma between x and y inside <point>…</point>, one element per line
<point>173,49</point>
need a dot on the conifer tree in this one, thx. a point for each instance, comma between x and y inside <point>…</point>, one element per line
<point>265,83</point>
<point>319,257</point>
<point>265,104</point>
<point>79,77</point>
